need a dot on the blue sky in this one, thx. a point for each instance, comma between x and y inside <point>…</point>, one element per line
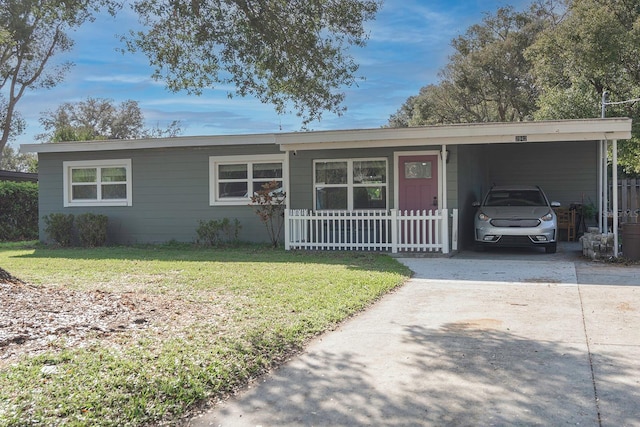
<point>409,43</point>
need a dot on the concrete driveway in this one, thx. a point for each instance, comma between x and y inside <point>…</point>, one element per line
<point>490,339</point>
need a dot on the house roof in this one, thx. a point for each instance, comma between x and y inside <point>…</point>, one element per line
<point>18,176</point>
<point>458,134</point>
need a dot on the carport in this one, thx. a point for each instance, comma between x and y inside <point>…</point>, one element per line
<point>565,158</point>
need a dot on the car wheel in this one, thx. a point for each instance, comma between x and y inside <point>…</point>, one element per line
<point>551,248</point>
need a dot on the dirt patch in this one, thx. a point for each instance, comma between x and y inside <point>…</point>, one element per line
<point>35,319</point>
<point>625,306</point>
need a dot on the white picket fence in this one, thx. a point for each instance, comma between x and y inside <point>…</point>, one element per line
<point>375,230</point>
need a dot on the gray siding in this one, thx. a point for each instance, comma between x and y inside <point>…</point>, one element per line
<point>472,184</point>
<point>170,186</point>
<point>170,189</point>
<point>566,171</point>
<point>301,171</point>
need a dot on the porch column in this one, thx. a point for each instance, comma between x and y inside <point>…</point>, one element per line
<point>443,156</point>
<point>600,179</point>
<point>614,194</point>
<point>287,230</point>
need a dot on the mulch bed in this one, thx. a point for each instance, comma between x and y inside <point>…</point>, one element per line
<point>35,319</point>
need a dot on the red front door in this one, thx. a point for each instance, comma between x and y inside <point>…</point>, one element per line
<point>418,183</point>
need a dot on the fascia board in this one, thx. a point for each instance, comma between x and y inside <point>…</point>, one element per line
<point>140,144</point>
<point>493,133</point>
<point>475,133</point>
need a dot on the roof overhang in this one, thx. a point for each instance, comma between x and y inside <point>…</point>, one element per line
<point>140,144</point>
<point>458,134</point>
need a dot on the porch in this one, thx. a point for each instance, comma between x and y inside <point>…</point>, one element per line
<point>372,230</point>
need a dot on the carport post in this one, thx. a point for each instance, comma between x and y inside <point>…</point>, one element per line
<point>614,194</point>
<point>443,172</point>
<point>600,186</point>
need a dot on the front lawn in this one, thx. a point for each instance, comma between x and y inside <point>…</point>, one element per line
<point>143,335</point>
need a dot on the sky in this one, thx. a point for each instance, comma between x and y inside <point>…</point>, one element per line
<point>409,43</point>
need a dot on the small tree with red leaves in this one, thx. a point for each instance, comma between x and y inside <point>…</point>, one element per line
<point>269,205</point>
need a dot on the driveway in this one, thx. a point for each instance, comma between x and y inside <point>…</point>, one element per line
<point>497,338</point>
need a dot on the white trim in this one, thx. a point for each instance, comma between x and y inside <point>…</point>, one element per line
<point>140,144</point>
<point>396,173</point>
<point>214,161</point>
<point>349,184</point>
<point>462,134</point>
<point>98,164</point>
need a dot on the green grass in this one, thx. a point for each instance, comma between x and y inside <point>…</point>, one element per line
<point>269,303</point>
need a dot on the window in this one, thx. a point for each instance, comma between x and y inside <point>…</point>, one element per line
<point>97,183</point>
<point>234,179</point>
<point>350,184</point>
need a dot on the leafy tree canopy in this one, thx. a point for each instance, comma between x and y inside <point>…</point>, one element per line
<point>15,161</point>
<point>488,77</point>
<point>284,52</point>
<point>31,33</point>
<point>100,119</point>
<point>552,61</point>
<point>594,48</point>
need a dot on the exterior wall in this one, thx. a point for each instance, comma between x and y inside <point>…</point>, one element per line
<point>170,189</point>
<point>566,171</point>
<point>472,184</point>
<point>301,171</point>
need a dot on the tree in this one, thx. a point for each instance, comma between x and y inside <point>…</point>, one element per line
<point>292,52</point>
<point>269,204</point>
<point>594,48</point>
<point>99,119</point>
<point>14,161</point>
<point>32,32</point>
<point>488,77</point>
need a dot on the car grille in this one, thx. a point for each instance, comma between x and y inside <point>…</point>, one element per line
<point>515,241</point>
<point>515,222</point>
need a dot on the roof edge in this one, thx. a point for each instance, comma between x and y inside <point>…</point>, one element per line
<point>466,133</point>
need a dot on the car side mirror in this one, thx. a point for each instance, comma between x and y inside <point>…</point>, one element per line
<point>475,204</point>
<point>555,204</point>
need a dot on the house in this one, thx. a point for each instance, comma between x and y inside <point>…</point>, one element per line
<point>379,189</point>
<point>18,176</point>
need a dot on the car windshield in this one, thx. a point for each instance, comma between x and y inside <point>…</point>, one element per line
<point>515,198</point>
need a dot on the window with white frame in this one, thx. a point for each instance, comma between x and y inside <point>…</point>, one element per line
<point>350,184</point>
<point>97,183</point>
<point>234,179</point>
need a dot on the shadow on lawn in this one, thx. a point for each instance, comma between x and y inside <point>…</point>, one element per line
<point>452,376</point>
<point>237,253</point>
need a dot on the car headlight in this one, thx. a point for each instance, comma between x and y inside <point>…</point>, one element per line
<point>483,217</point>
<point>547,217</point>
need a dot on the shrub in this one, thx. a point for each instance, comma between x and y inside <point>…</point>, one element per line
<point>18,210</point>
<point>269,205</point>
<point>92,229</point>
<point>59,227</point>
<point>216,232</point>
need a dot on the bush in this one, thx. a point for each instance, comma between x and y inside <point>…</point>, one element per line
<point>59,227</point>
<point>217,232</point>
<point>269,205</point>
<point>92,229</point>
<point>18,210</point>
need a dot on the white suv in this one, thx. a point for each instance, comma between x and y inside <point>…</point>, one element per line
<point>516,216</point>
